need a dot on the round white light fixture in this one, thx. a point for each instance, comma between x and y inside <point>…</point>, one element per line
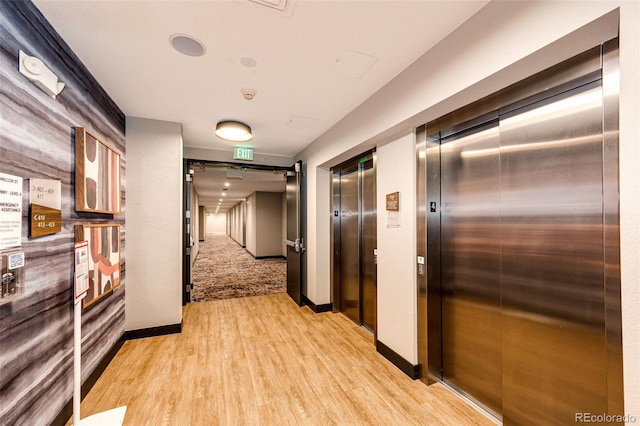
<point>233,131</point>
<point>187,45</point>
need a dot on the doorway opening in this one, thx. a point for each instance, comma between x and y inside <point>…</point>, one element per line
<point>235,221</point>
<point>355,240</point>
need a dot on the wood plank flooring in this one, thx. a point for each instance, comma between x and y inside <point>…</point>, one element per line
<point>265,361</point>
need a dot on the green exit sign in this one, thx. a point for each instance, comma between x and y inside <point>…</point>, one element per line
<point>240,153</point>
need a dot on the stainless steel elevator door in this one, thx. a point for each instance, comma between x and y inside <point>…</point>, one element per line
<point>350,244</point>
<point>470,264</point>
<point>553,325</point>
<point>368,241</point>
<point>556,232</point>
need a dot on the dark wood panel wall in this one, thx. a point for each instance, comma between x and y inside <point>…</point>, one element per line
<point>37,141</point>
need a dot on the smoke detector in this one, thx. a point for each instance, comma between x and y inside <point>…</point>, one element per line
<point>248,93</point>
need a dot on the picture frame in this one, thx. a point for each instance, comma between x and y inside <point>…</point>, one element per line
<point>97,186</point>
<point>104,245</point>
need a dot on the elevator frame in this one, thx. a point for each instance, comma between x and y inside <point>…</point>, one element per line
<point>335,244</point>
<point>600,62</point>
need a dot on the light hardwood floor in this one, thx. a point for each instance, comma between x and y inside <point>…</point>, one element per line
<point>265,361</point>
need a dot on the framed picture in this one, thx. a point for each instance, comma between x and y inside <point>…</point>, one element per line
<point>104,259</point>
<point>97,175</point>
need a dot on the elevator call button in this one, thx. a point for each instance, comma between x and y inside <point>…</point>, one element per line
<point>432,206</point>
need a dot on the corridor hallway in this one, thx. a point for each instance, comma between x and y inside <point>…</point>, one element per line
<point>265,361</point>
<point>225,270</point>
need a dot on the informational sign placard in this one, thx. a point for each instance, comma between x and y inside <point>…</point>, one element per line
<point>393,201</point>
<point>393,210</point>
<point>44,221</point>
<point>81,256</point>
<point>45,192</point>
<point>11,264</point>
<point>10,211</point>
<point>393,219</point>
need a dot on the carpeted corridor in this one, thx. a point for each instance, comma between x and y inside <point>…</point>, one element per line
<point>225,270</point>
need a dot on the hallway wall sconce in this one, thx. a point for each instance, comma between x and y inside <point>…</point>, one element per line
<point>233,131</point>
<point>36,71</point>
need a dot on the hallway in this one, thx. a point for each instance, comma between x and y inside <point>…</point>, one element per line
<point>265,361</point>
<point>224,270</point>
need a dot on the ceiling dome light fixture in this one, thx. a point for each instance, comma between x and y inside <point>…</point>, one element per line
<point>233,131</point>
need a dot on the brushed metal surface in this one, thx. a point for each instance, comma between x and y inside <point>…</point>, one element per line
<point>580,68</point>
<point>421,250</point>
<point>523,255</point>
<point>470,264</point>
<point>350,243</point>
<point>355,239</point>
<point>368,244</point>
<point>611,205</point>
<point>433,279</point>
<point>553,327</point>
<point>336,287</point>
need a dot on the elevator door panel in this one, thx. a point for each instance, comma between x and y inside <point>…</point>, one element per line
<point>552,260</point>
<point>470,264</point>
<point>369,239</point>
<point>350,245</point>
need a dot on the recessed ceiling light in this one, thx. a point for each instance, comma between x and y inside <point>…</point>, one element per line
<point>187,45</point>
<point>227,184</point>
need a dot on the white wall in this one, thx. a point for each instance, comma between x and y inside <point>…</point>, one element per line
<point>269,223</point>
<point>202,222</point>
<point>397,303</point>
<point>503,43</point>
<point>264,221</point>
<point>630,200</point>
<point>216,223</point>
<point>154,223</point>
<point>236,219</point>
<point>251,236</point>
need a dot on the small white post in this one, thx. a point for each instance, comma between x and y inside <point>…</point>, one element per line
<point>77,364</point>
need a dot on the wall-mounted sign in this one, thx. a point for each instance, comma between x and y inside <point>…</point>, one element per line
<point>240,153</point>
<point>81,281</point>
<point>45,216</point>
<point>393,201</point>
<point>45,192</point>
<point>44,221</point>
<point>10,211</point>
<point>11,268</point>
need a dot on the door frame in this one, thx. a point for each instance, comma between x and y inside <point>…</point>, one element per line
<point>188,163</point>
